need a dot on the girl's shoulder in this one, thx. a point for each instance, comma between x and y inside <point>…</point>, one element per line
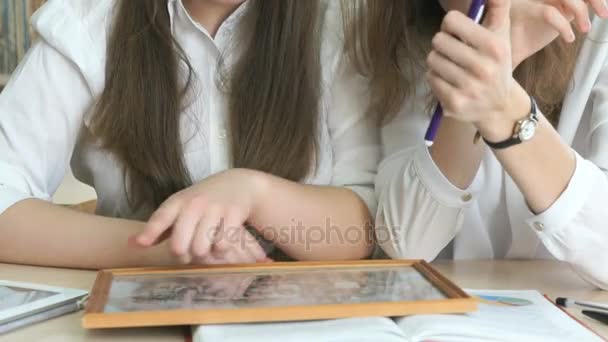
<point>79,30</point>
<point>63,19</point>
<point>82,8</point>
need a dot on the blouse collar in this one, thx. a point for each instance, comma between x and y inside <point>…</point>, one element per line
<point>177,11</point>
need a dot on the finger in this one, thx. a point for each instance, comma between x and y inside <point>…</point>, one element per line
<point>211,259</point>
<point>460,27</point>
<point>185,259</point>
<point>448,70</point>
<point>133,243</point>
<point>228,257</point>
<point>445,93</point>
<point>455,50</point>
<point>227,237</point>
<point>579,9</point>
<point>232,242</point>
<point>206,232</point>
<point>239,256</point>
<point>246,241</point>
<point>185,227</point>
<point>600,7</point>
<point>230,234</point>
<point>254,248</point>
<point>161,221</point>
<point>559,22</point>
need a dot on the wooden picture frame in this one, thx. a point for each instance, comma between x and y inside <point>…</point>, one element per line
<point>291,291</point>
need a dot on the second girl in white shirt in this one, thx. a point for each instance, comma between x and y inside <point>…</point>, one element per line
<point>544,198</point>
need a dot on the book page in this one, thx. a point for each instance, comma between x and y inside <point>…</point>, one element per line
<point>504,316</point>
<point>352,329</point>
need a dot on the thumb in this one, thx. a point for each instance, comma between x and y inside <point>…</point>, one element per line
<point>498,14</point>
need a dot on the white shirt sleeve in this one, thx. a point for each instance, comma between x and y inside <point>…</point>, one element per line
<point>575,228</point>
<point>41,112</point>
<point>354,135</point>
<point>419,210</point>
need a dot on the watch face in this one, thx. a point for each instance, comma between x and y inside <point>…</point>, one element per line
<point>528,130</point>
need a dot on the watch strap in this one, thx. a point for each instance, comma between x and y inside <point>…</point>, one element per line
<point>514,139</point>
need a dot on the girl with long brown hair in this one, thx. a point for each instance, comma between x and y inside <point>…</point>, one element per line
<point>519,166</point>
<point>198,122</point>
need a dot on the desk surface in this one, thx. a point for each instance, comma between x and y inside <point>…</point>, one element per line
<point>552,278</point>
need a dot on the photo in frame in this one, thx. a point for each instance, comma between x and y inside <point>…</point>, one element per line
<point>274,292</point>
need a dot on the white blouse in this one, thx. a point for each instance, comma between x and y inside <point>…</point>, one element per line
<point>45,109</point>
<point>422,215</point>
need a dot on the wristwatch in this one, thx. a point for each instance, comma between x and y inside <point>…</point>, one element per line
<point>524,130</point>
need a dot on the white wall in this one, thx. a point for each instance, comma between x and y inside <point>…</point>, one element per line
<point>72,191</point>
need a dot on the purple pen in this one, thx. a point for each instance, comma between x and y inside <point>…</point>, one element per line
<point>475,13</point>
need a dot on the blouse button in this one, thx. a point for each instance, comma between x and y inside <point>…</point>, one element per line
<point>539,227</point>
<point>467,198</point>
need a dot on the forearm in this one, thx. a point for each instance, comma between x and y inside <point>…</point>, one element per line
<point>455,142</point>
<point>35,232</point>
<point>313,222</point>
<point>542,168</point>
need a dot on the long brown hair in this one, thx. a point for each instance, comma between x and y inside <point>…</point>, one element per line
<point>273,94</point>
<point>388,40</point>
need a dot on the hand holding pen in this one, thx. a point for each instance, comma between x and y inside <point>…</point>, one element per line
<point>476,13</point>
<point>537,23</point>
<point>470,72</point>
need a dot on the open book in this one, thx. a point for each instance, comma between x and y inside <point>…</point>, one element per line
<point>502,316</point>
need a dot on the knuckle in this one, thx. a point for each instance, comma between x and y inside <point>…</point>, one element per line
<point>496,49</point>
<point>483,71</point>
<point>455,103</point>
